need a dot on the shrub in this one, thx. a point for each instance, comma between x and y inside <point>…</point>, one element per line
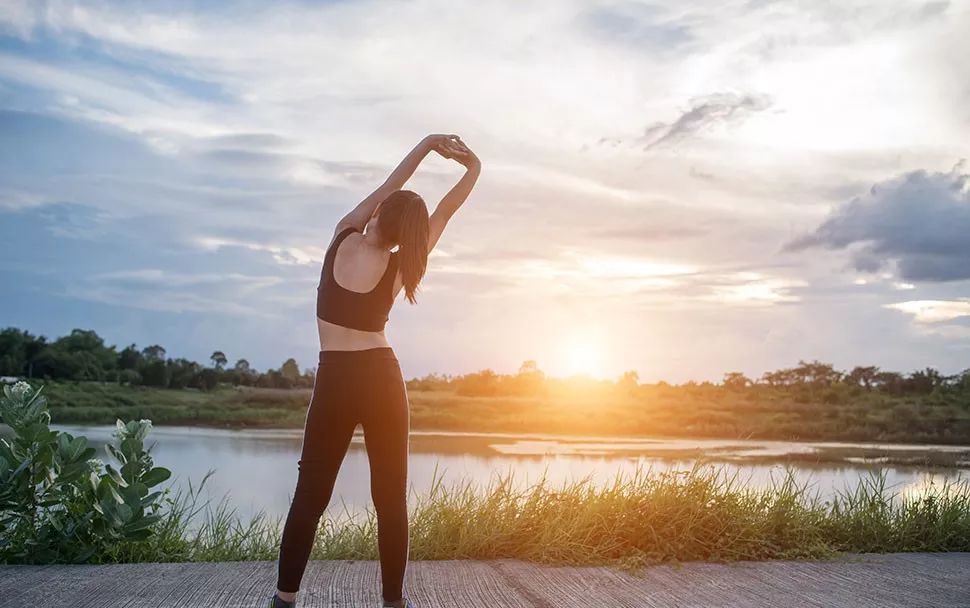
<point>57,502</point>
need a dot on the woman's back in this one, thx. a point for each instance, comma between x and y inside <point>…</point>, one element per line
<point>358,285</point>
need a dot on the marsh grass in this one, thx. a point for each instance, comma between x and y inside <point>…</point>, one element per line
<point>634,520</point>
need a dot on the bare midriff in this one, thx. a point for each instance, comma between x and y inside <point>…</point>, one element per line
<point>338,337</point>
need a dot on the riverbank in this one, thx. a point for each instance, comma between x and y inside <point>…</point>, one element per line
<point>910,580</point>
<point>634,520</point>
<point>649,410</point>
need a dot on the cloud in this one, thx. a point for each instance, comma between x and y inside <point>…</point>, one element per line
<point>919,222</point>
<point>934,311</point>
<point>165,132</point>
<point>705,112</point>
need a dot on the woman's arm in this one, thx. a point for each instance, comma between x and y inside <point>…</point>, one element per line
<point>360,214</point>
<point>458,193</point>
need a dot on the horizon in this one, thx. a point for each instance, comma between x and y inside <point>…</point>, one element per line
<point>683,190</point>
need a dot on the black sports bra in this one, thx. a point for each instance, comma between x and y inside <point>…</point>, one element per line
<point>354,309</point>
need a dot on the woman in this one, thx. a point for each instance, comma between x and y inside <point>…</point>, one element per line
<point>359,380</point>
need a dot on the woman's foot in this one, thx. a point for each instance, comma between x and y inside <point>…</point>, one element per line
<point>276,602</point>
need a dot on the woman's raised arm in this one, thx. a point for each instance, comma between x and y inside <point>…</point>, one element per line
<point>458,193</point>
<point>359,215</point>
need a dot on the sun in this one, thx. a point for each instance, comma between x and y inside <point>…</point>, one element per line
<point>583,356</point>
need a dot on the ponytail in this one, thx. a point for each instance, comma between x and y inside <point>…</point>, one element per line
<point>404,220</point>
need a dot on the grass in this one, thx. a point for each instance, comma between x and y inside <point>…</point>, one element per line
<point>836,414</point>
<point>636,520</point>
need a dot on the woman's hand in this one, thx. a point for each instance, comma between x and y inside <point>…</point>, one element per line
<point>437,141</point>
<point>463,154</point>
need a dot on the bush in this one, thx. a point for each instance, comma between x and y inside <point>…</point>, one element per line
<point>57,502</point>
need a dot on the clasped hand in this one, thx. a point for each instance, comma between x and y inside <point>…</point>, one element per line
<point>452,147</point>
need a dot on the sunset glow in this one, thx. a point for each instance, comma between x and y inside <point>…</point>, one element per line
<point>719,186</point>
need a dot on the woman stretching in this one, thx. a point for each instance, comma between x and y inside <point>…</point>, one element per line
<point>359,380</point>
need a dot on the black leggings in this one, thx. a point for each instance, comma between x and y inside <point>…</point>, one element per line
<point>353,387</point>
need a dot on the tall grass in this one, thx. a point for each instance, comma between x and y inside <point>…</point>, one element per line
<point>637,519</point>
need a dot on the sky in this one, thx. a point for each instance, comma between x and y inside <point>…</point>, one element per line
<point>677,188</point>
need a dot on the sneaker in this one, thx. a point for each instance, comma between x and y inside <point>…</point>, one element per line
<point>276,602</point>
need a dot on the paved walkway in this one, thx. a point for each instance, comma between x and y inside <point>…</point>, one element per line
<point>905,580</point>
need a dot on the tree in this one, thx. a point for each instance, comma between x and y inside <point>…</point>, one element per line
<point>130,358</point>
<point>528,367</point>
<point>153,353</point>
<point>155,373</point>
<point>18,351</point>
<point>864,376</point>
<point>629,381</point>
<point>218,359</point>
<point>480,383</point>
<point>817,373</point>
<point>891,382</point>
<point>736,381</point>
<point>290,370</point>
<point>183,373</point>
<point>242,366</point>
<point>924,381</point>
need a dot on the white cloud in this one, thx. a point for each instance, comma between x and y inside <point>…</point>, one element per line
<point>283,112</point>
<point>934,311</point>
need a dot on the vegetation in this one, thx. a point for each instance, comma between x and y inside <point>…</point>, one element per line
<point>83,355</point>
<point>812,401</point>
<point>639,519</point>
<point>59,505</point>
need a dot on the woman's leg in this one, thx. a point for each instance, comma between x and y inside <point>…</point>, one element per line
<point>386,428</point>
<point>330,423</point>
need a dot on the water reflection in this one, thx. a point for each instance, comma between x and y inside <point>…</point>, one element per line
<point>257,469</point>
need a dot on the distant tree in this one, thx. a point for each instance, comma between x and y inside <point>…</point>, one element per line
<point>207,378</point>
<point>183,373</point>
<point>242,366</point>
<point>528,367</point>
<point>155,373</point>
<point>32,348</point>
<point>58,364</point>
<point>923,381</point>
<point>480,383</point>
<point>91,358</point>
<point>130,358</point>
<point>18,351</point>
<point>817,373</point>
<point>736,381</point>
<point>290,370</point>
<point>218,359</point>
<point>630,376</point>
<point>781,377</point>
<point>153,353</point>
<point>628,382</point>
<point>864,376</point>
<point>890,382</point>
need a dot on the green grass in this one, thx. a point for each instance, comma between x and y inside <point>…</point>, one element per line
<point>836,414</point>
<point>636,520</point>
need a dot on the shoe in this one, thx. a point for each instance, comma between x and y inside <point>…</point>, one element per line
<point>276,602</point>
<point>407,604</point>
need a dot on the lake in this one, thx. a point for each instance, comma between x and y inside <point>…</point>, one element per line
<point>256,469</point>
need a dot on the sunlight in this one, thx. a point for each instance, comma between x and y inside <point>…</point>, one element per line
<point>583,356</point>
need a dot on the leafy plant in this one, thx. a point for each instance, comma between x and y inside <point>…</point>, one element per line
<point>60,504</point>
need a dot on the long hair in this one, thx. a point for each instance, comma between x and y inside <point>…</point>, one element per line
<point>403,220</point>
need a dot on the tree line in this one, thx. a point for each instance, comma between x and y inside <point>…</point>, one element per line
<point>82,355</point>
<point>809,379</point>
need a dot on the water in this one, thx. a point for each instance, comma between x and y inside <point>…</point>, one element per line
<point>256,469</point>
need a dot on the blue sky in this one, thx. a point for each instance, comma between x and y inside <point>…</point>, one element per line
<point>679,188</point>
